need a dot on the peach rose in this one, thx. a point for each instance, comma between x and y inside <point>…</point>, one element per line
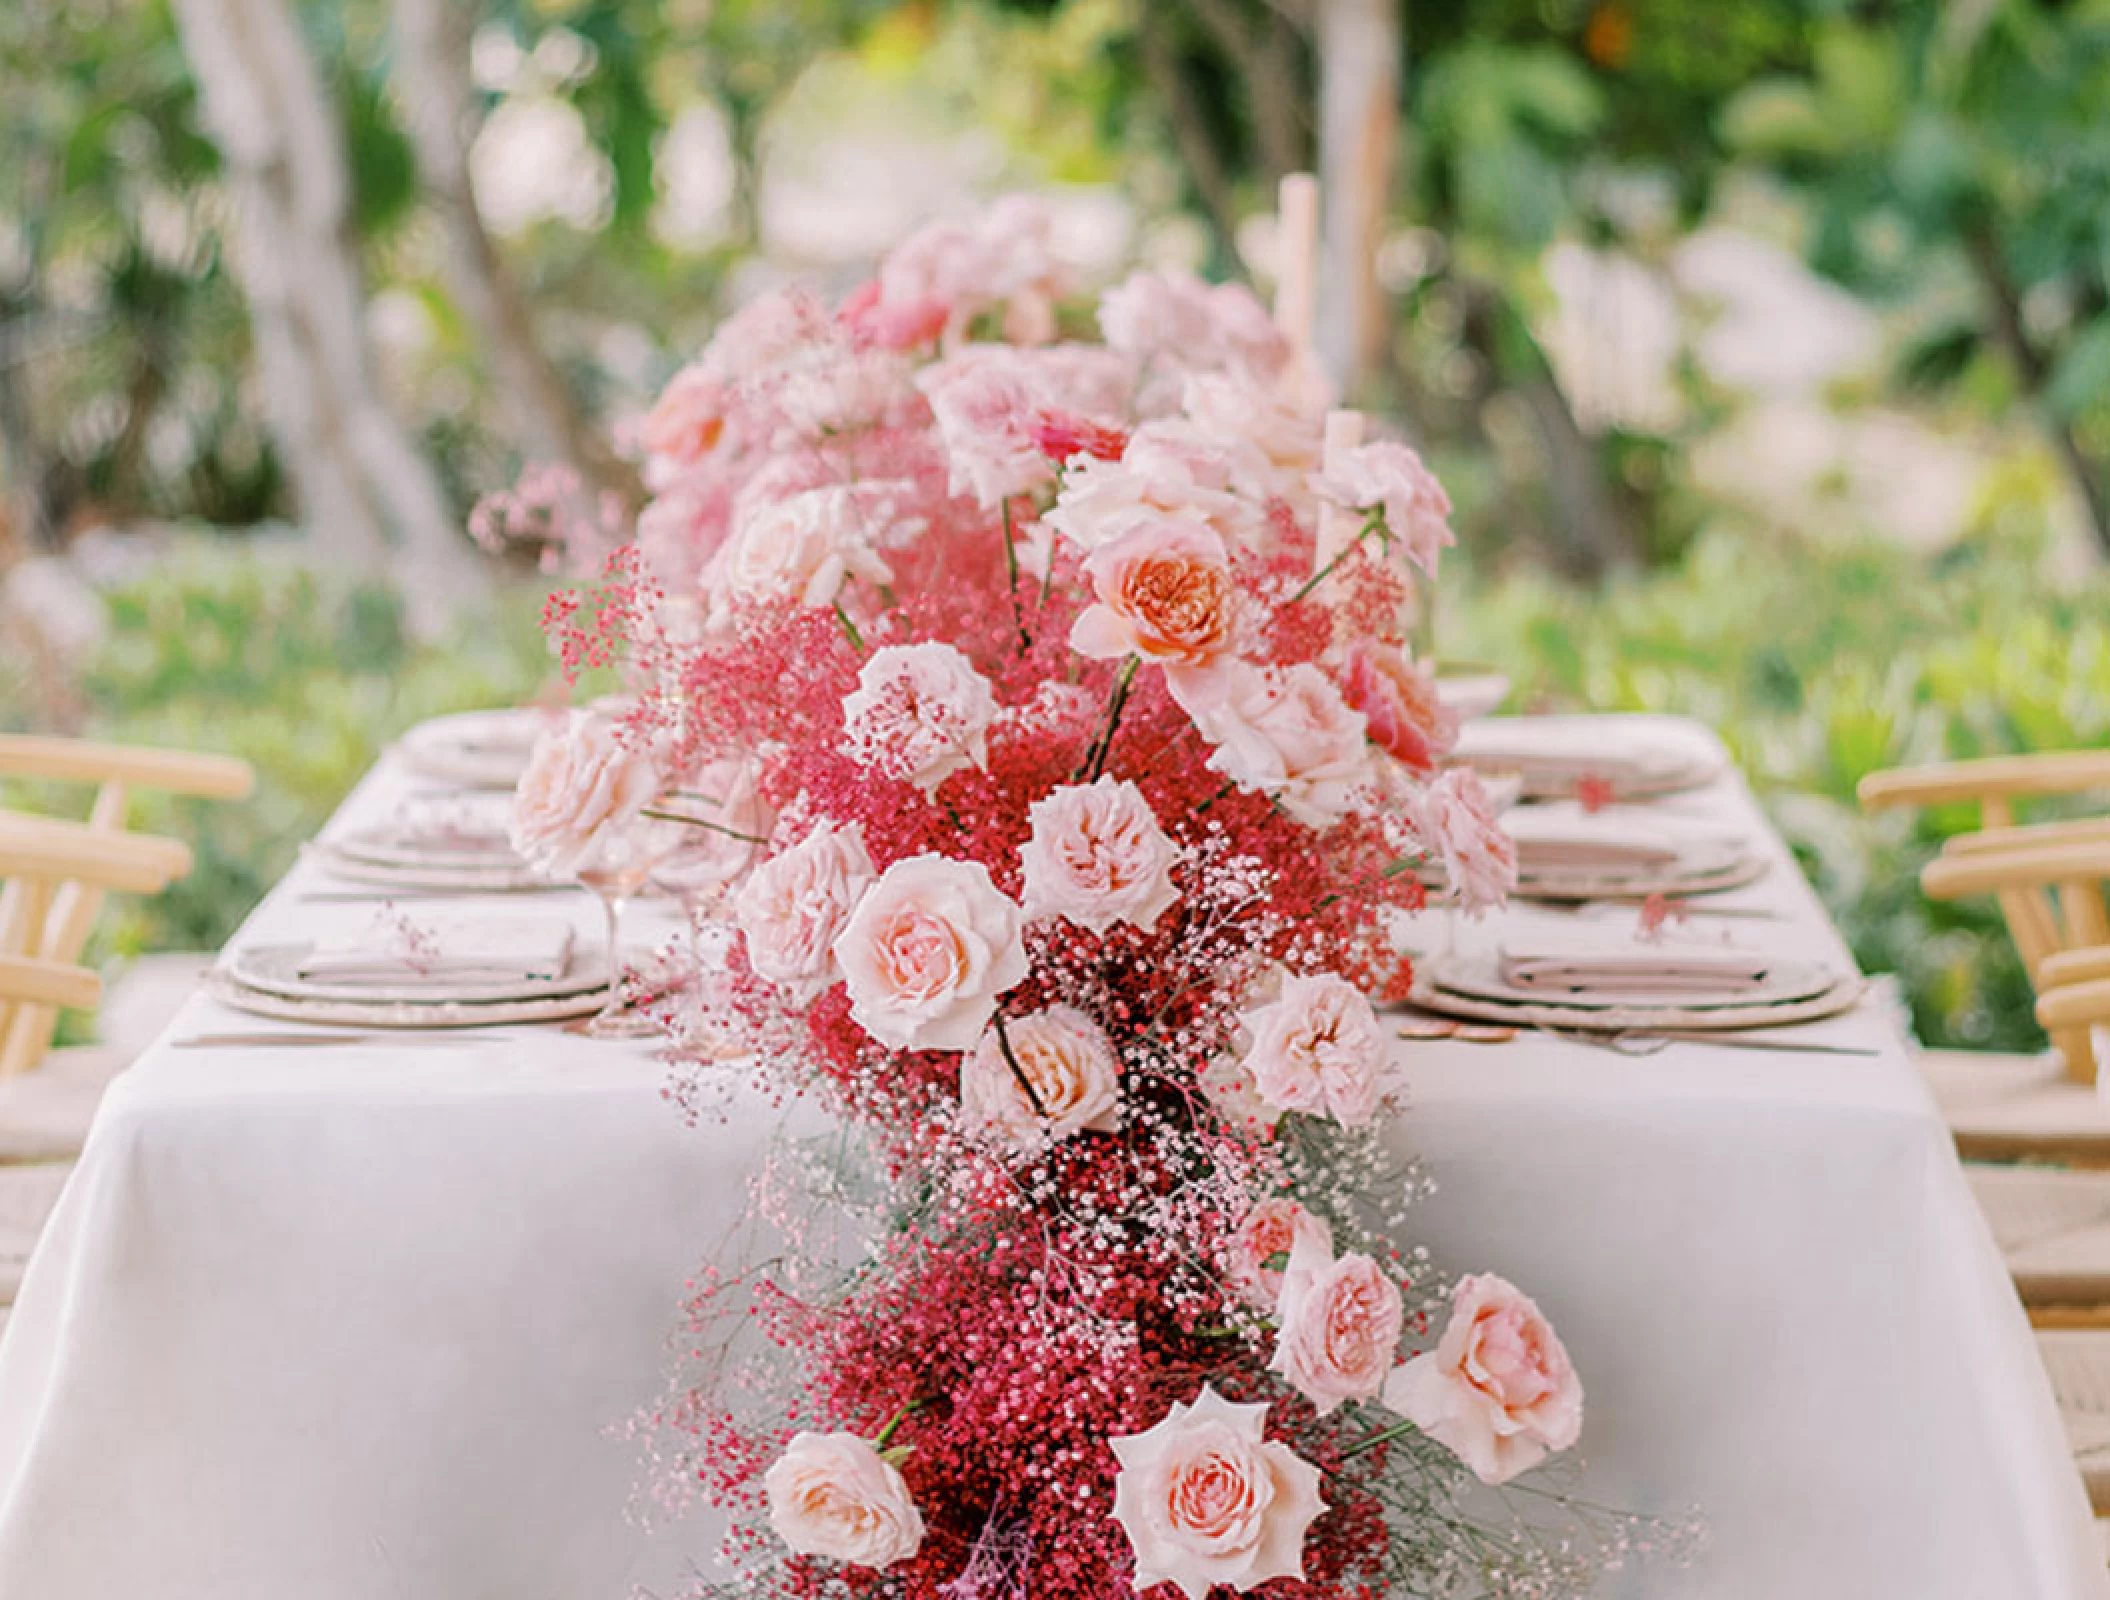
<point>1206,1498</point>
<point>927,951</point>
<point>1097,856</point>
<point>805,546</point>
<point>794,905</point>
<point>1259,1251</point>
<point>1340,1322</point>
<point>833,1495</point>
<point>687,421</point>
<point>1498,1389</point>
<point>581,793</point>
<point>1456,822</point>
<point>1286,732</point>
<point>920,712</point>
<point>1397,697</point>
<point>1065,1057</point>
<point>1317,1048</point>
<point>1163,592</point>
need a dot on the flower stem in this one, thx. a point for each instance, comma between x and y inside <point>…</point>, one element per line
<point>856,639</point>
<point>1373,524</point>
<point>1398,1430</point>
<point>702,822</point>
<point>1018,615</point>
<point>1206,804</point>
<point>1003,1043</point>
<point>1095,758</point>
<point>887,1433</point>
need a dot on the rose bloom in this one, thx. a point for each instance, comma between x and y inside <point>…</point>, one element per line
<point>1317,1048</point>
<point>1389,478</point>
<point>1340,1321</point>
<point>581,793</point>
<point>1498,1389</point>
<point>1456,821</point>
<point>687,421</point>
<point>1206,1498</point>
<point>989,400</point>
<point>805,546</point>
<point>1230,1089</point>
<point>1164,593</point>
<point>721,793</point>
<point>1258,415</point>
<point>1175,323</point>
<point>1398,700</point>
<point>1167,469</point>
<point>920,712</point>
<point>794,905</point>
<point>1073,1069</point>
<point>833,1495</point>
<point>927,952</point>
<point>1287,732</point>
<point>1259,1251</point>
<point>1097,857</point>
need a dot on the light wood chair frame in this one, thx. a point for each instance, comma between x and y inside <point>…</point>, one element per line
<point>2042,874</point>
<point>56,873</point>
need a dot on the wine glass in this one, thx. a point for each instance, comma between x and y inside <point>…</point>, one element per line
<point>620,865</point>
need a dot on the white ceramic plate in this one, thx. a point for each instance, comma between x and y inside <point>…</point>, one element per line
<point>475,749</point>
<point>1843,995</point>
<point>1566,853</point>
<point>1485,979</point>
<point>275,969</point>
<point>1634,755</point>
<point>497,878</point>
<point>395,1014</point>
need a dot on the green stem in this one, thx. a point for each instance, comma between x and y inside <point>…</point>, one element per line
<point>1372,524</point>
<point>1398,1430</point>
<point>1018,615</point>
<point>1206,804</point>
<point>1095,762</point>
<point>856,639</point>
<point>700,822</point>
<point>887,1433</point>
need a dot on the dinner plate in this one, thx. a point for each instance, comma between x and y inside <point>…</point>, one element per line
<point>1668,976</point>
<point>1630,755</point>
<point>498,877</point>
<point>475,749</point>
<point>1843,993</point>
<point>1566,853</point>
<point>275,969</point>
<point>370,1013</point>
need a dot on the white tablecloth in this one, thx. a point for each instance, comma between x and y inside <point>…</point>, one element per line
<point>365,1322</point>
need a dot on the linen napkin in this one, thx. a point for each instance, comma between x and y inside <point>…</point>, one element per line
<point>396,951</point>
<point>1581,844</point>
<point>1636,972</point>
<point>470,824</point>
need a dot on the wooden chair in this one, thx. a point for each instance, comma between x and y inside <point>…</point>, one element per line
<point>2019,864</point>
<point>57,872</point>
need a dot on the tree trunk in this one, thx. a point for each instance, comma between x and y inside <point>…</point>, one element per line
<point>1359,44</point>
<point>2034,371</point>
<point>359,474</point>
<point>432,39</point>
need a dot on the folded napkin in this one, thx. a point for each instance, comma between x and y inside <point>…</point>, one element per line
<point>471,823</point>
<point>1637,972</point>
<point>465,951</point>
<point>1583,849</point>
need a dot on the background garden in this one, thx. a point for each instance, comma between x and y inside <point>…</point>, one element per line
<point>1763,346</point>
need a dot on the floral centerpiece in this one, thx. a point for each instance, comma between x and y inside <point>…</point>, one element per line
<point>1042,675</point>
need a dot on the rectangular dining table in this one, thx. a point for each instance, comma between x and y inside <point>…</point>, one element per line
<point>371,1320</point>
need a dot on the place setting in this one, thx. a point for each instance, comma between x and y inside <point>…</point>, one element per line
<point>1596,760</point>
<point>435,842</point>
<point>1574,856</point>
<point>476,749</point>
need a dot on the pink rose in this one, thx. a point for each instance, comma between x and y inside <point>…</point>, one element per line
<point>1398,700</point>
<point>1287,732</point>
<point>927,952</point>
<point>1166,469</point>
<point>989,402</point>
<point>1340,1323</point>
<point>1259,1252</point>
<point>1163,592</point>
<point>1388,478</point>
<point>1317,1048</point>
<point>580,795</point>
<point>805,547</point>
<point>920,712</point>
<point>1258,415</point>
<point>1498,1389</point>
<point>1206,1498</point>
<point>1098,857</point>
<point>1174,323</point>
<point>794,906</point>
<point>1076,1078</point>
<point>1456,821</point>
<point>687,421</point>
<point>1230,1089</point>
<point>833,1495</point>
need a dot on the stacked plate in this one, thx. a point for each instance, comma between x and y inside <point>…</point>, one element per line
<point>434,842</point>
<point>1627,757</point>
<point>1567,853</point>
<point>475,749</point>
<point>1638,989</point>
<point>443,974</point>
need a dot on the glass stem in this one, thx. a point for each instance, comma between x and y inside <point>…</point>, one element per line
<point>612,916</point>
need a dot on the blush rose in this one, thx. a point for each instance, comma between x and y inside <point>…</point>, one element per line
<point>1340,1320</point>
<point>1074,1072</point>
<point>583,787</point>
<point>1097,857</point>
<point>927,951</point>
<point>1317,1048</point>
<point>833,1495</point>
<point>794,905</point>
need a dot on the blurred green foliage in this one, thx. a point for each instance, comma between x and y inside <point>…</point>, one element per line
<point>1819,663</point>
<point>257,657</point>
